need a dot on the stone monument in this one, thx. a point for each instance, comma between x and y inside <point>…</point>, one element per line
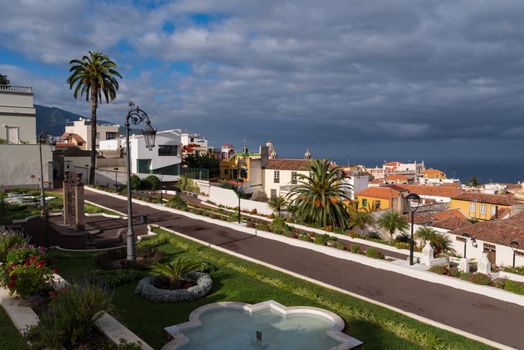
<point>74,201</point>
<point>484,265</point>
<point>463,265</point>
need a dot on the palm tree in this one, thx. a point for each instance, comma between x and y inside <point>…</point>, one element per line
<point>175,270</point>
<point>320,197</point>
<point>425,234</point>
<point>393,221</point>
<point>93,76</point>
<point>277,204</point>
<point>4,80</point>
<point>440,242</point>
<point>361,218</point>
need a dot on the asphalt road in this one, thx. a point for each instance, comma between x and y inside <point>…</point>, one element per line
<point>486,317</point>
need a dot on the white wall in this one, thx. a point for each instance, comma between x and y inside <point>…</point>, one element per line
<point>17,110</point>
<point>285,180</point>
<point>20,162</point>
<point>229,198</point>
<point>358,183</point>
<point>79,127</point>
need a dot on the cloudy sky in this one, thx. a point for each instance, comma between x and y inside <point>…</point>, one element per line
<point>348,79</point>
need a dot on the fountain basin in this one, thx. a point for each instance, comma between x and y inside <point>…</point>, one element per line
<point>233,325</point>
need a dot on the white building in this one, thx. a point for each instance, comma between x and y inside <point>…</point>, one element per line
<point>358,183</point>
<point>82,127</point>
<point>193,139</point>
<point>164,158</point>
<point>280,175</point>
<point>19,151</point>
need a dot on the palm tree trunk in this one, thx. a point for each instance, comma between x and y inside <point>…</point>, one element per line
<point>94,105</point>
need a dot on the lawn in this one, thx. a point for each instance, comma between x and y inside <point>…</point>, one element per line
<point>239,280</point>
<point>10,338</point>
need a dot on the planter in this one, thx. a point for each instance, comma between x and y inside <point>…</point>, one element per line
<point>146,288</point>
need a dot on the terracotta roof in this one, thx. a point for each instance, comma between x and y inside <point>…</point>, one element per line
<point>451,213</point>
<point>433,171</point>
<point>71,135</point>
<point>377,181</point>
<point>288,164</point>
<point>447,219</point>
<point>434,191</point>
<point>451,223</point>
<point>496,231</point>
<point>396,177</point>
<point>391,164</point>
<point>380,192</point>
<point>502,214</point>
<point>500,199</point>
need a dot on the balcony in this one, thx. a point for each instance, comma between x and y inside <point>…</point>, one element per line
<point>16,89</point>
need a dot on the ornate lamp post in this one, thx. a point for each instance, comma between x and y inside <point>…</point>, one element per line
<point>414,203</point>
<point>41,138</point>
<point>135,116</point>
<point>468,237</point>
<point>514,245</point>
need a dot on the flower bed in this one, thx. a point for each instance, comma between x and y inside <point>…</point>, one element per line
<point>146,288</point>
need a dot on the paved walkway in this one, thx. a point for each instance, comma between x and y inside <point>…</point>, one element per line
<point>486,317</point>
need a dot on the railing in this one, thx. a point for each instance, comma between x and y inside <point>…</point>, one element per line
<point>10,88</point>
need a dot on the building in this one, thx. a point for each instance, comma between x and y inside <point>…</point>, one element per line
<point>382,198</point>
<point>82,128</point>
<point>72,139</point>
<point>245,165</point>
<point>437,194</point>
<point>433,174</point>
<point>397,179</point>
<point>376,172</point>
<point>404,168</point>
<point>280,175</point>
<point>193,144</point>
<point>481,206</point>
<point>19,151</point>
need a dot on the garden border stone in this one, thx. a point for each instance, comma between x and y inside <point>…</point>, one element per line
<point>203,286</point>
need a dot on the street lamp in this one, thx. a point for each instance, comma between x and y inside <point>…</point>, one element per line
<point>414,203</point>
<point>239,189</point>
<point>468,237</point>
<point>41,138</point>
<point>161,190</point>
<point>135,116</point>
<point>514,245</point>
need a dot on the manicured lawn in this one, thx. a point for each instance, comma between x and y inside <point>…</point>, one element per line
<point>239,280</point>
<point>10,338</point>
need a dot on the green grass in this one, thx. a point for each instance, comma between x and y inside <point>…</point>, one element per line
<point>10,338</point>
<point>239,280</point>
<point>93,209</point>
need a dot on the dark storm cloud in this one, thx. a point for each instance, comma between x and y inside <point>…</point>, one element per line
<point>327,74</point>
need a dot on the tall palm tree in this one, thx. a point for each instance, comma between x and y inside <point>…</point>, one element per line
<point>277,204</point>
<point>320,197</point>
<point>393,221</point>
<point>361,218</point>
<point>93,76</point>
<point>4,80</point>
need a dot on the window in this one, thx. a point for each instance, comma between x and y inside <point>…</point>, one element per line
<point>294,178</point>
<point>167,150</point>
<point>13,135</point>
<point>273,193</point>
<point>364,202</point>
<point>493,210</point>
<point>110,135</point>
<point>276,176</point>
<point>483,209</point>
<point>98,136</point>
<point>226,172</point>
<point>472,207</point>
<point>143,166</point>
<point>377,205</point>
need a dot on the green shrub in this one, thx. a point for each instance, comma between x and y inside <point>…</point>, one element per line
<point>251,224</point>
<point>480,278</point>
<point>355,248</point>
<point>353,234</point>
<point>30,278</point>
<point>519,270</point>
<point>304,237</point>
<point>515,287</point>
<point>401,245</point>
<point>206,267</point>
<point>135,182</point>
<point>374,253</point>
<point>152,182</point>
<point>20,254</point>
<point>322,239</point>
<point>70,318</point>
<point>440,269</point>
<point>8,240</point>
<point>125,345</point>
<point>402,238</point>
<point>340,245</point>
<point>499,283</point>
<point>177,202</point>
<point>279,225</point>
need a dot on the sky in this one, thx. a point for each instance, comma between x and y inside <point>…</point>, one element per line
<point>350,80</point>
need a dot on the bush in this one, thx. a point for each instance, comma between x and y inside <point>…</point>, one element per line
<point>327,228</point>
<point>515,287</point>
<point>322,239</point>
<point>304,237</point>
<point>152,182</point>
<point>519,270</point>
<point>135,182</point>
<point>8,240</point>
<point>30,278</point>
<point>340,245</point>
<point>353,234</point>
<point>402,245</point>
<point>480,278</point>
<point>402,238</point>
<point>440,269</point>
<point>19,254</point>
<point>374,253</point>
<point>499,283</point>
<point>372,235</point>
<point>355,249</point>
<point>70,318</point>
<point>251,224</point>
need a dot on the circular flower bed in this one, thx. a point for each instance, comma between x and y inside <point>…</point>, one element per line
<point>203,284</point>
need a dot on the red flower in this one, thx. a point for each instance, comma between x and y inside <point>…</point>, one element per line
<point>52,293</point>
<point>11,284</point>
<point>56,270</point>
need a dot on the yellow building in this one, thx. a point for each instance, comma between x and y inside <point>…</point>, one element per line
<point>481,206</point>
<point>380,198</point>
<point>229,169</point>
<point>434,174</point>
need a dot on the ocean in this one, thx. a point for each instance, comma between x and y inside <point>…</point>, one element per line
<point>486,170</point>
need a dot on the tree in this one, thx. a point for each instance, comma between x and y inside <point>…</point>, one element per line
<point>393,221</point>
<point>473,181</point>
<point>277,204</point>
<point>4,80</point>
<point>320,197</point>
<point>93,76</point>
<point>175,270</point>
<point>361,218</point>
<point>440,242</point>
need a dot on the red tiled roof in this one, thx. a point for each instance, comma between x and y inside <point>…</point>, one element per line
<point>500,199</point>
<point>501,214</point>
<point>396,177</point>
<point>391,164</point>
<point>434,191</point>
<point>288,164</point>
<point>447,219</point>
<point>496,231</point>
<point>71,135</point>
<point>380,192</point>
<point>433,171</point>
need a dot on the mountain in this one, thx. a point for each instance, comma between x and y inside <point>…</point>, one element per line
<point>53,119</point>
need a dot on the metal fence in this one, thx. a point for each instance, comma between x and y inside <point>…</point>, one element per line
<point>195,173</point>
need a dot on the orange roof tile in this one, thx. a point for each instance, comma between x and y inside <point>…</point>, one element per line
<point>396,177</point>
<point>500,199</point>
<point>496,231</point>
<point>434,191</point>
<point>379,192</point>
<point>433,171</point>
<point>288,164</point>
